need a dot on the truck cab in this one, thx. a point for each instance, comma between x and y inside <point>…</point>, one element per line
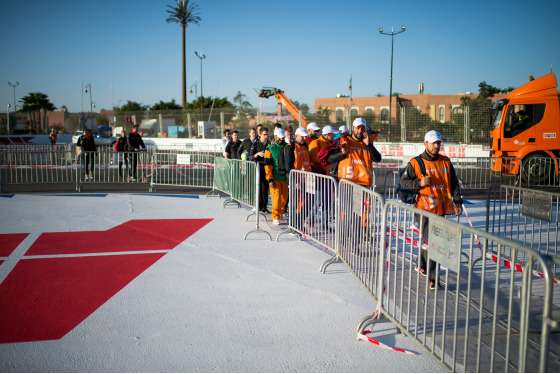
<point>525,126</point>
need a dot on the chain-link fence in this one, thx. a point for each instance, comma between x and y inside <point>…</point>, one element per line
<point>465,125</point>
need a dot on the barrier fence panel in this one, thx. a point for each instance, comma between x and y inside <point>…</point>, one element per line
<point>22,165</point>
<point>540,171</point>
<point>312,207</point>
<point>487,316</point>
<point>359,231</point>
<point>240,180</point>
<point>182,168</point>
<point>476,172</point>
<point>528,217</point>
<point>108,166</point>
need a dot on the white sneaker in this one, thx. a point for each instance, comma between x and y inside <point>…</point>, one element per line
<point>276,222</point>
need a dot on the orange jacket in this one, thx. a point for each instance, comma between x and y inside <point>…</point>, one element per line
<point>314,147</point>
<point>436,198</point>
<point>357,166</point>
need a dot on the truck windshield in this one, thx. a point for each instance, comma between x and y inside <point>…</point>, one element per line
<point>497,113</point>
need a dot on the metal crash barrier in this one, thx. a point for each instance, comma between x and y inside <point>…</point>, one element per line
<point>107,166</point>
<point>359,232</point>
<point>182,168</point>
<point>528,217</point>
<point>39,165</point>
<point>540,171</point>
<point>240,180</point>
<point>312,212</point>
<point>489,317</point>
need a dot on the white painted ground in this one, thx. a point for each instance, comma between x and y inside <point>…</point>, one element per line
<point>215,303</point>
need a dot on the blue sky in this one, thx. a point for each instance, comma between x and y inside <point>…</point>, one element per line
<point>309,49</point>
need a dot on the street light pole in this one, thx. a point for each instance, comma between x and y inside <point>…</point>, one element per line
<point>90,103</point>
<point>14,86</point>
<point>403,29</point>
<point>201,57</point>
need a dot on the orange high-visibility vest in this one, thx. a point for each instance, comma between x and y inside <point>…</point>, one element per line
<point>302,160</point>
<point>357,166</point>
<point>436,198</point>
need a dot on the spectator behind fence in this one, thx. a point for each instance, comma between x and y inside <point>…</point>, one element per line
<point>232,148</point>
<point>53,137</point>
<point>289,133</point>
<point>134,142</point>
<point>88,149</point>
<point>353,161</point>
<point>121,148</point>
<point>316,145</point>
<point>312,132</point>
<point>247,144</point>
<point>277,183</point>
<point>225,140</point>
<point>257,155</point>
<point>438,190</point>
<point>296,157</point>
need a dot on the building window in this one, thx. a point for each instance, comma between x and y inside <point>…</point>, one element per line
<point>441,114</point>
<point>339,115</point>
<point>384,115</point>
<point>369,114</point>
<point>354,112</point>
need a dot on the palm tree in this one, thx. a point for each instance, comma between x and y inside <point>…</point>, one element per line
<point>183,14</point>
<point>34,103</point>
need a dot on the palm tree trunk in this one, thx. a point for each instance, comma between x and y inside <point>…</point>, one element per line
<point>184,93</point>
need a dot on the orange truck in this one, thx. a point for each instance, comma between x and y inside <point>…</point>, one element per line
<point>525,125</point>
<point>267,92</point>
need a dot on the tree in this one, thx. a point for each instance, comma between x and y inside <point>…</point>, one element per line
<point>183,14</point>
<point>486,91</point>
<point>166,106</point>
<point>34,103</point>
<point>133,106</point>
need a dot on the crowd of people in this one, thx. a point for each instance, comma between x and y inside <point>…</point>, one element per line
<point>346,155</point>
<point>126,148</point>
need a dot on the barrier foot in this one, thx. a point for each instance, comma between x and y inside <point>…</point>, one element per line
<point>333,260</point>
<point>253,213</point>
<point>376,316</point>
<point>257,230</point>
<point>288,231</point>
<point>212,193</point>
<point>231,201</point>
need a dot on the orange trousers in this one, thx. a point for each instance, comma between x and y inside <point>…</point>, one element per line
<point>279,197</point>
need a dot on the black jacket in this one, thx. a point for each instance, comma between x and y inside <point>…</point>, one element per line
<point>134,141</point>
<point>121,146</point>
<point>256,148</point>
<point>246,146</point>
<point>232,150</point>
<point>87,143</point>
<point>410,182</point>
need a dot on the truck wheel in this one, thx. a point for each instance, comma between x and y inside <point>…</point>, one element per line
<point>536,169</point>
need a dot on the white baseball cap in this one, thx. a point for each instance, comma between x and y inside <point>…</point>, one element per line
<point>342,129</point>
<point>313,126</point>
<point>301,131</point>
<point>329,130</point>
<point>359,122</point>
<point>432,136</point>
<point>279,133</point>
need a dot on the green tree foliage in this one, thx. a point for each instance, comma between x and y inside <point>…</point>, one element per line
<point>133,106</point>
<point>207,103</point>
<point>101,120</point>
<point>35,103</point>
<point>183,14</point>
<point>166,106</point>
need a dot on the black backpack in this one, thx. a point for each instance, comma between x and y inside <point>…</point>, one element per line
<point>409,196</point>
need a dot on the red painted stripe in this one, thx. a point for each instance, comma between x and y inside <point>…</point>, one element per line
<point>44,299</point>
<point>135,235</point>
<point>9,242</point>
